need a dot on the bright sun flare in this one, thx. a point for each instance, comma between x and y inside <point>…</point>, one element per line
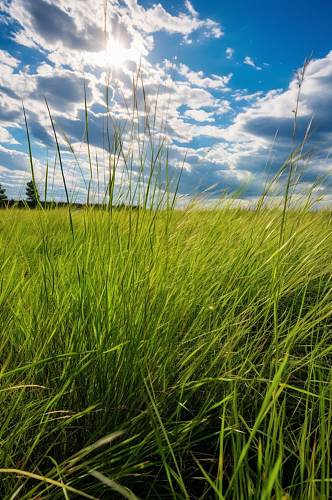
<point>117,55</point>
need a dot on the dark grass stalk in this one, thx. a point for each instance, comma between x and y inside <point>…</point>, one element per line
<point>98,179</point>
<point>86,116</point>
<point>31,158</point>
<point>77,163</point>
<point>61,168</point>
<point>46,183</point>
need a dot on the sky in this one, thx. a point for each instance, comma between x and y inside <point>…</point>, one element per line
<point>225,73</point>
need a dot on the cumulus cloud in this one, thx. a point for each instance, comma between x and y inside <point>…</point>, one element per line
<point>70,23</point>
<point>200,80</point>
<point>8,60</point>
<point>263,133</point>
<point>62,89</point>
<point>49,23</point>
<point>13,159</point>
<point>157,18</point>
<point>200,115</point>
<point>69,46</point>
<point>190,8</point>
<point>69,38</point>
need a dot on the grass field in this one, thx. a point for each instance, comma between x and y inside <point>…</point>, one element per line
<point>165,354</point>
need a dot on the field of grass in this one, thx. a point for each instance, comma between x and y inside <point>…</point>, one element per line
<point>165,354</point>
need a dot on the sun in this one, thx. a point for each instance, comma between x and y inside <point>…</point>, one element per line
<point>117,56</point>
<point>116,53</point>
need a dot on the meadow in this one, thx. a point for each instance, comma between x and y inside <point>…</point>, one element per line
<point>165,353</point>
<point>150,350</point>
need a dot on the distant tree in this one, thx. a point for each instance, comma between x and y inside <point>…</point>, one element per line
<point>31,192</point>
<point>3,196</point>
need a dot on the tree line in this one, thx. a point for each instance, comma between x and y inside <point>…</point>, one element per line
<point>31,195</point>
<point>32,200</point>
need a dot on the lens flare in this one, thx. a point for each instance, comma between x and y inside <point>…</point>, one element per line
<point>117,55</point>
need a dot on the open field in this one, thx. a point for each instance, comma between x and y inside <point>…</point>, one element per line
<point>168,354</point>
<point>165,250</point>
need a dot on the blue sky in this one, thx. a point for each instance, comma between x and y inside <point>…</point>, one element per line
<point>225,71</point>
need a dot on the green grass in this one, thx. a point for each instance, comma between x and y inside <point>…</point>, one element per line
<point>165,354</point>
<point>150,352</point>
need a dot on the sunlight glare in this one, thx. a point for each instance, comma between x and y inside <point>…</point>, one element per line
<point>117,55</point>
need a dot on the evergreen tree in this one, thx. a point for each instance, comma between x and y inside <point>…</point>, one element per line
<point>32,193</point>
<point>3,196</point>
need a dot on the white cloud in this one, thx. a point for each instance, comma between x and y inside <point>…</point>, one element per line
<point>157,18</point>
<point>72,32</point>
<point>188,99</point>
<point>23,38</point>
<point>6,137</point>
<point>199,115</point>
<point>248,60</point>
<point>69,38</point>
<point>229,53</point>
<point>261,134</point>
<point>241,95</point>
<point>190,8</point>
<point>200,80</point>
<point>8,59</point>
